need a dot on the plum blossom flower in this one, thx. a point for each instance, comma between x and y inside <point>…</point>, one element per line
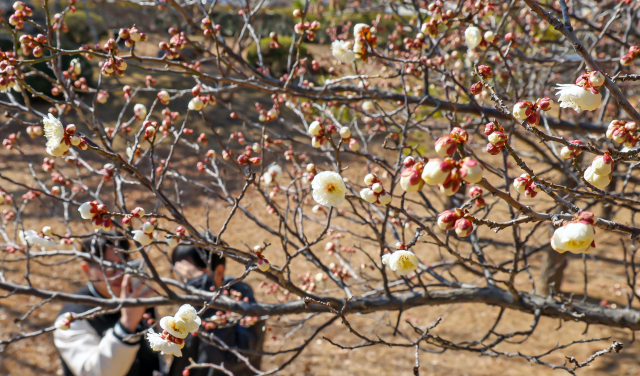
<point>341,50</point>
<point>87,211</point>
<point>53,131</point>
<point>410,178</point>
<point>599,181</point>
<point>62,324</point>
<point>188,318</point>
<point>471,171</point>
<point>195,104</point>
<point>602,164</point>
<point>144,236</point>
<point>274,173</point>
<point>436,171</point>
<point>463,227</point>
<point>472,36</point>
<point>578,98</point>
<point>576,236</point>
<point>140,110</point>
<point>328,188</point>
<point>401,262</point>
<point>160,343</point>
<point>447,219</point>
<point>31,237</point>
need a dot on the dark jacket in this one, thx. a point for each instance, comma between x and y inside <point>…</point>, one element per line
<point>236,337</point>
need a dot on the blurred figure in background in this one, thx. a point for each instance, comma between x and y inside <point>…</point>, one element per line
<point>191,263</point>
<point>103,346</point>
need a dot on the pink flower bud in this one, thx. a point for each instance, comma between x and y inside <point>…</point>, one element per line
<point>471,171</point>
<point>476,88</point>
<point>256,161</point>
<point>71,129</point>
<point>490,128</point>
<point>533,119</point>
<point>521,183</point>
<point>354,145</point>
<point>498,139</point>
<point>545,104</point>
<point>409,161</point>
<point>475,192</point>
<point>485,71</point>
<point>626,60</point>
<point>602,164</point>
<point>492,149</point>
<point>446,146</point>
<point>138,212</point>
<point>463,227</point>
<point>596,79</point>
<point>436,171</point>
<point>522,110</point>
<point>460,135</point>
<point>447,219</point>
<point>480,203</point>
<point>243,159</point>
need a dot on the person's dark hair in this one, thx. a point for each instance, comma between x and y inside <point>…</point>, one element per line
<point>197,256</point>
<point>97,244</point>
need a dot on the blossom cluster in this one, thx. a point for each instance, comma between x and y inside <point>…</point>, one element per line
<point>599,172</point>
<point>175,329</point>
<point>401,261</point>
<point>623,132</point>
<point>375,193</point>
<point>96,212</point>
<point>575,236</point>
<point>456,219</point>
<point>529,111</point>
<point>525,185</point>
<point>448,174</point>
<point>447,145</point>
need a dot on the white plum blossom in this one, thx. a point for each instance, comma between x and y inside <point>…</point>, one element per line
<point>436,171</point>
<point>472,36</point>
<point>574,238</point>
<point>274,173</point>
<point>328,188</point>
<point>187,316</point>
<point>599,181</point>
<point>54,132</point>
<point>578,98</point>
<point>315,128</point>
<point>172,241</point>
<point>31,237</point>
<point>85,211</point>
<point>140,110</point>
<point>471,171</point>
<point>142,238</point>
<point>62,324</point>
<point>384,198</point>
<point>401,262</point>
<point>166,347</point>
<point>195,104</point>
<point>368,195</point>
<point>341,50</point>
<point>368,106</point>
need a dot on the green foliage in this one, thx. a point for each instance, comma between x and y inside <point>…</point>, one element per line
<point>274,59</point>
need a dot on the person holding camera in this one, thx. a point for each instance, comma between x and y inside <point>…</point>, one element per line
<point>105,345</point>
<point>206,271</point>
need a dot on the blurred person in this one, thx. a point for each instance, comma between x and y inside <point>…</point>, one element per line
<point>103,345</point>
<point>191,263</point>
